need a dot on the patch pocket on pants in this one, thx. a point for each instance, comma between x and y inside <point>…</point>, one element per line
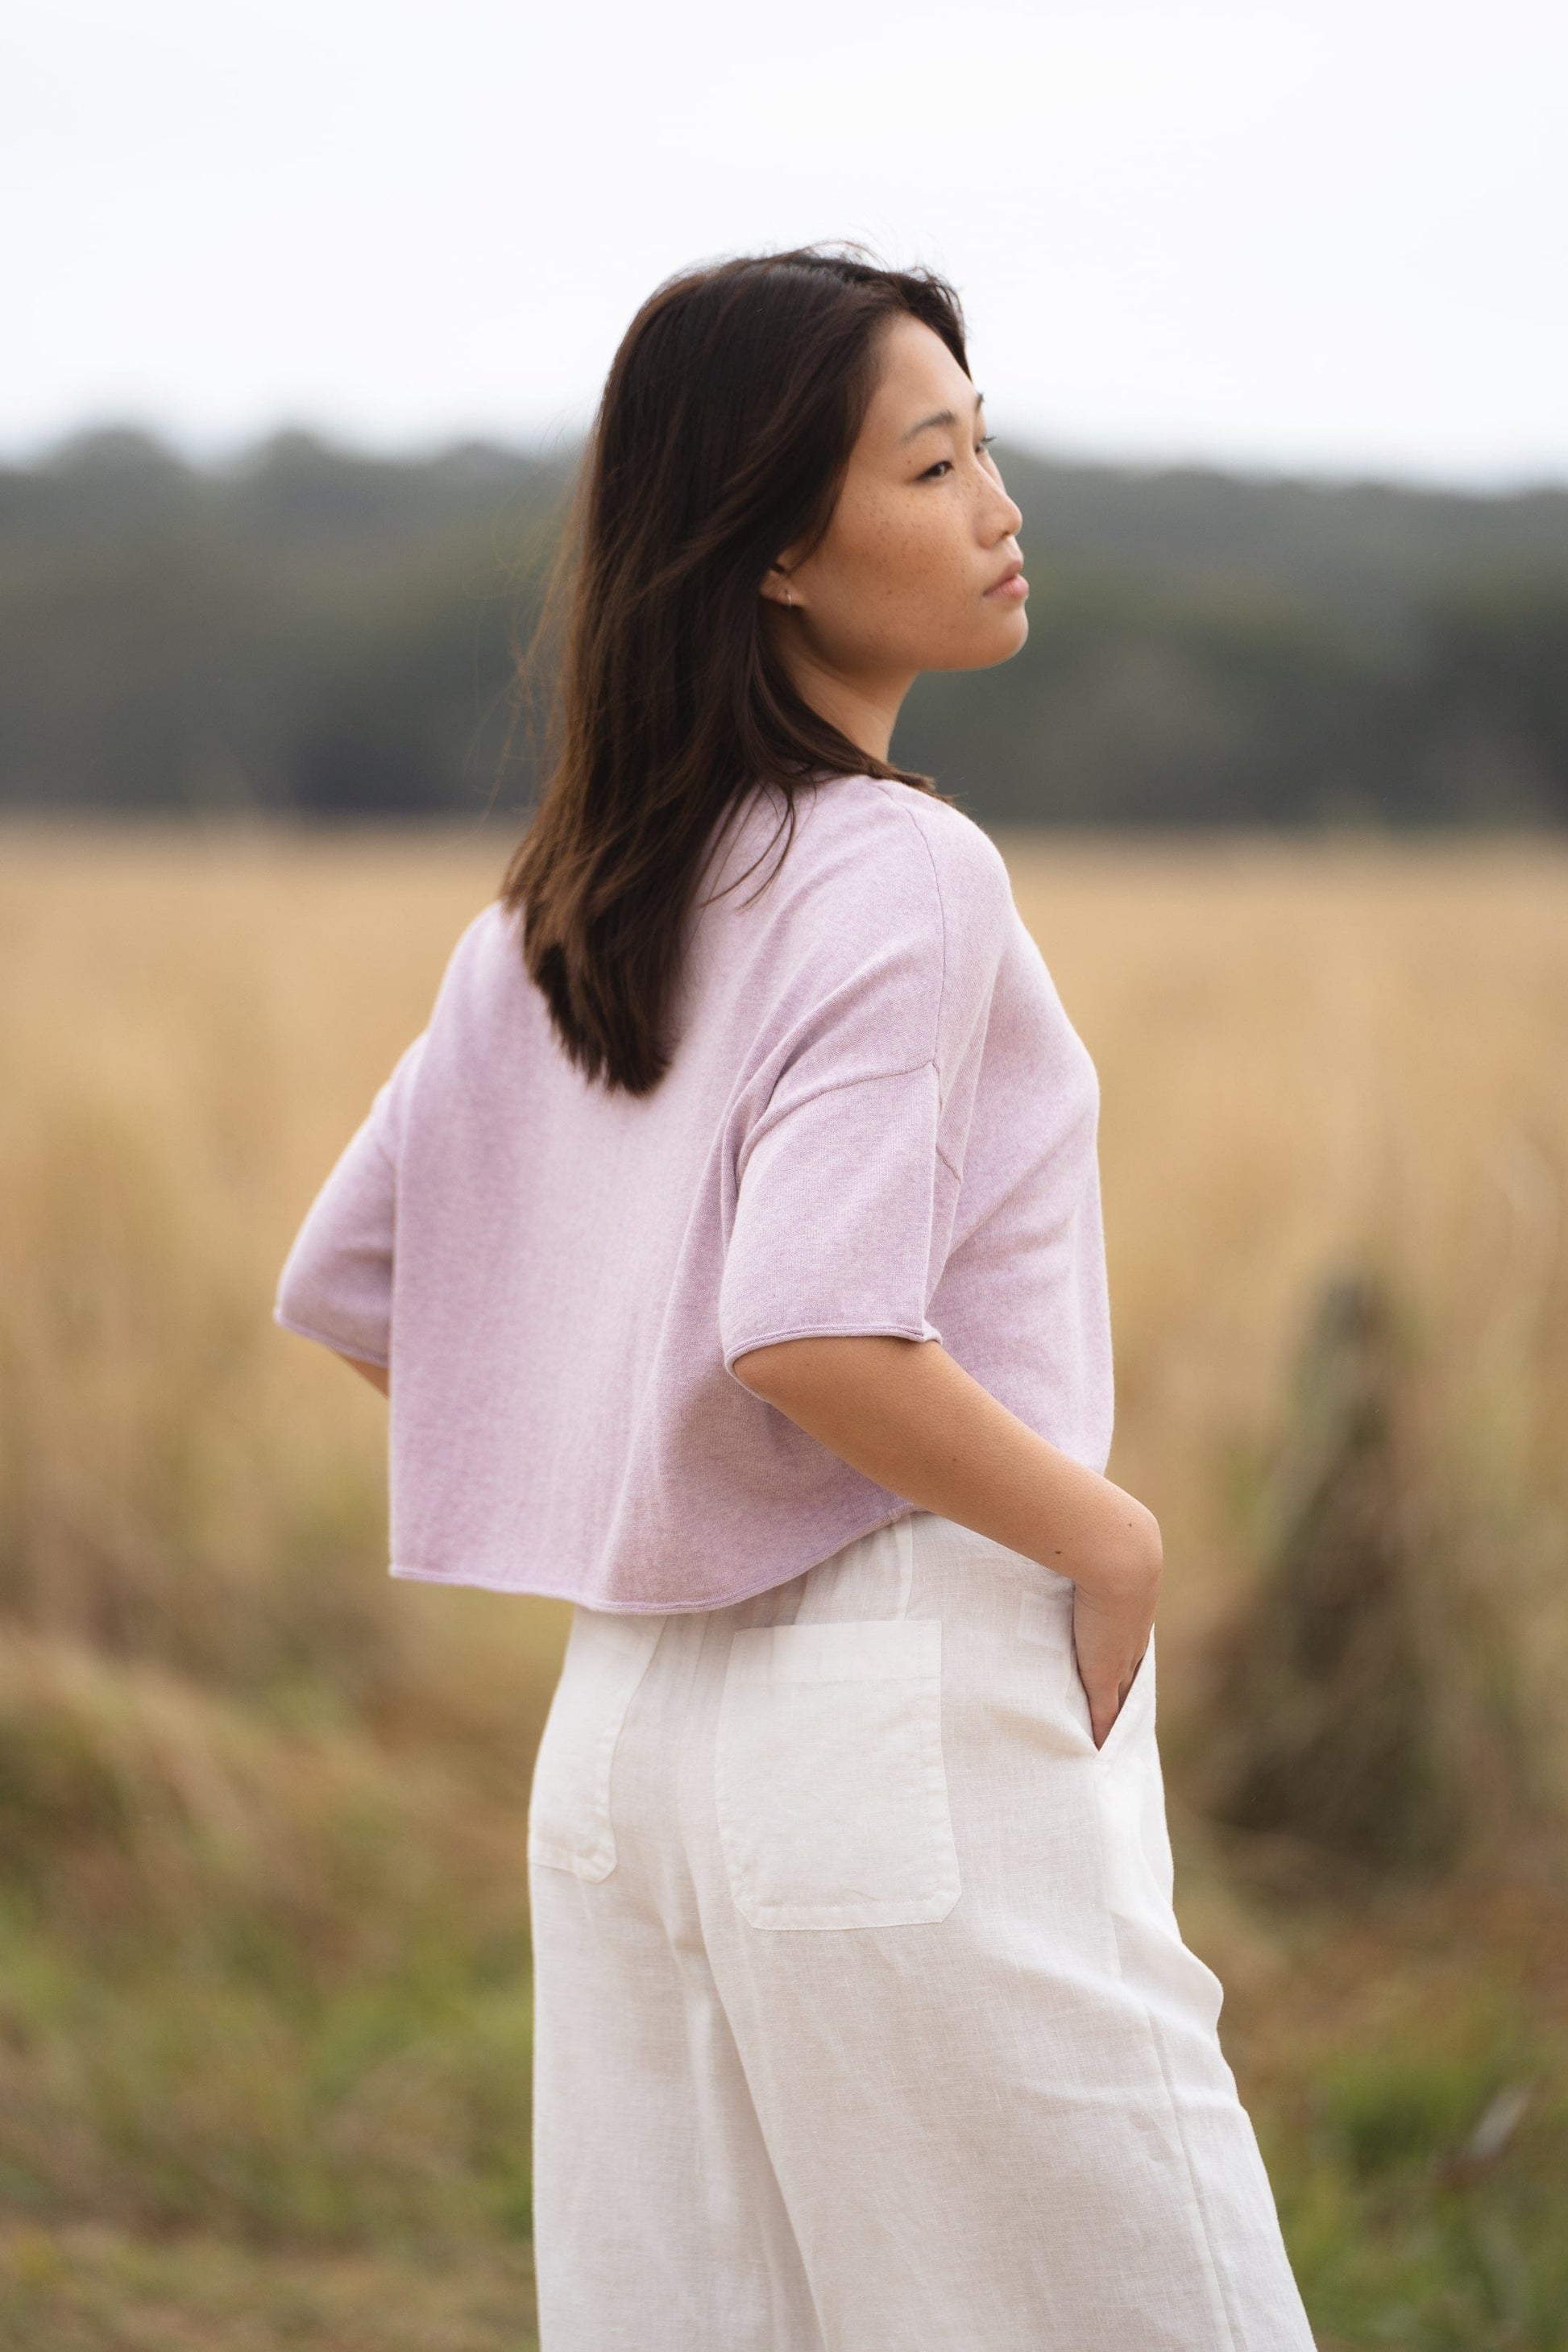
<point>831,1789</point>
<point>569,1824</point>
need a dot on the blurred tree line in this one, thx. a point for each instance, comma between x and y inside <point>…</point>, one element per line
<point>316,632</point>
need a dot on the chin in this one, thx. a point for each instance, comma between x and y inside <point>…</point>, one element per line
<point>1006,635</point>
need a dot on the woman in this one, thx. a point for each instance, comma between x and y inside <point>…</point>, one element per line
<point>736,1256</point>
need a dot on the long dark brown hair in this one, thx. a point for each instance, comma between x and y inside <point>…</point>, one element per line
<point>721,438</point>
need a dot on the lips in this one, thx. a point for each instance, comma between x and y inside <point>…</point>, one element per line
<point>1012,582</point>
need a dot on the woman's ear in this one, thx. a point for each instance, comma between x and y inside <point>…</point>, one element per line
<point>777,585</point>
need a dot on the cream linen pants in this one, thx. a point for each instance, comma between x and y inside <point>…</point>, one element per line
<point>862,2019</point>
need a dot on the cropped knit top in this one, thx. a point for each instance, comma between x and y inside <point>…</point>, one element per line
<point>878,1119</point>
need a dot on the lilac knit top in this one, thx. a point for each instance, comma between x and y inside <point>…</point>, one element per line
<point>878,1119</point>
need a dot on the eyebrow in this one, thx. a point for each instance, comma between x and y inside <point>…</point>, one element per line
<point>942,416</point>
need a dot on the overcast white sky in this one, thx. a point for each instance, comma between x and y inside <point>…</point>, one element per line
<point>1326,236</point>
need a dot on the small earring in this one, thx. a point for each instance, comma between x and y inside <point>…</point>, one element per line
<point>788,598</point>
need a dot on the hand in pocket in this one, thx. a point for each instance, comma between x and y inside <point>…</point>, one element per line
<point>1111,1634</point>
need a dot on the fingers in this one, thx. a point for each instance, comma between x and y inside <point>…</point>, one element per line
<point>1103,1712</point>
<point>1107,1695</point>
<point>1111,1646</point>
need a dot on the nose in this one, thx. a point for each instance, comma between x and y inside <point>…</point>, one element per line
<point>1004,518</point>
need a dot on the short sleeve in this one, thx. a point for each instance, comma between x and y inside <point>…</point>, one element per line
<point>848,1174</point>
<point>837,1221</point>
<point>336,1282</point>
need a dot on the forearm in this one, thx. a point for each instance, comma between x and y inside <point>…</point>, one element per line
<point>377,1374</point>
<point>905,1414</point>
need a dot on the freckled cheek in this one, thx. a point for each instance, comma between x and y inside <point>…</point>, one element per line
<point>902,570</point>
<point>897,578</point>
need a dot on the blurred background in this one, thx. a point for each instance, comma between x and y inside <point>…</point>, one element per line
<point>307,309</point>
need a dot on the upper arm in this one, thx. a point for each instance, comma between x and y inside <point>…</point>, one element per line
<point>378,1375</point>
<point>766,1368</point>
<point>820,1366</point>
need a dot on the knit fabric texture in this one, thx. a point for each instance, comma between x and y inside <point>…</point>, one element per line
<point>878,1119</point>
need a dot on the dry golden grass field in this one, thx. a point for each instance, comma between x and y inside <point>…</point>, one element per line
<point>263,1953</point>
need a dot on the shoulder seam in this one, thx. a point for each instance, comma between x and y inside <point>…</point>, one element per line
<point>868,1078</point>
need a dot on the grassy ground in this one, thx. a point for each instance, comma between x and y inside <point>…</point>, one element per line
<point>88,2287</point>
<point>263,1936</point>
<point>1404,2058</point>
<point>1407,2068</point>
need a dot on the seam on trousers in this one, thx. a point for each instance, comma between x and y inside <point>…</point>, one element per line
<point>1216,2276</point>
<point>1218,2297</point>
<point>904,1536</point>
